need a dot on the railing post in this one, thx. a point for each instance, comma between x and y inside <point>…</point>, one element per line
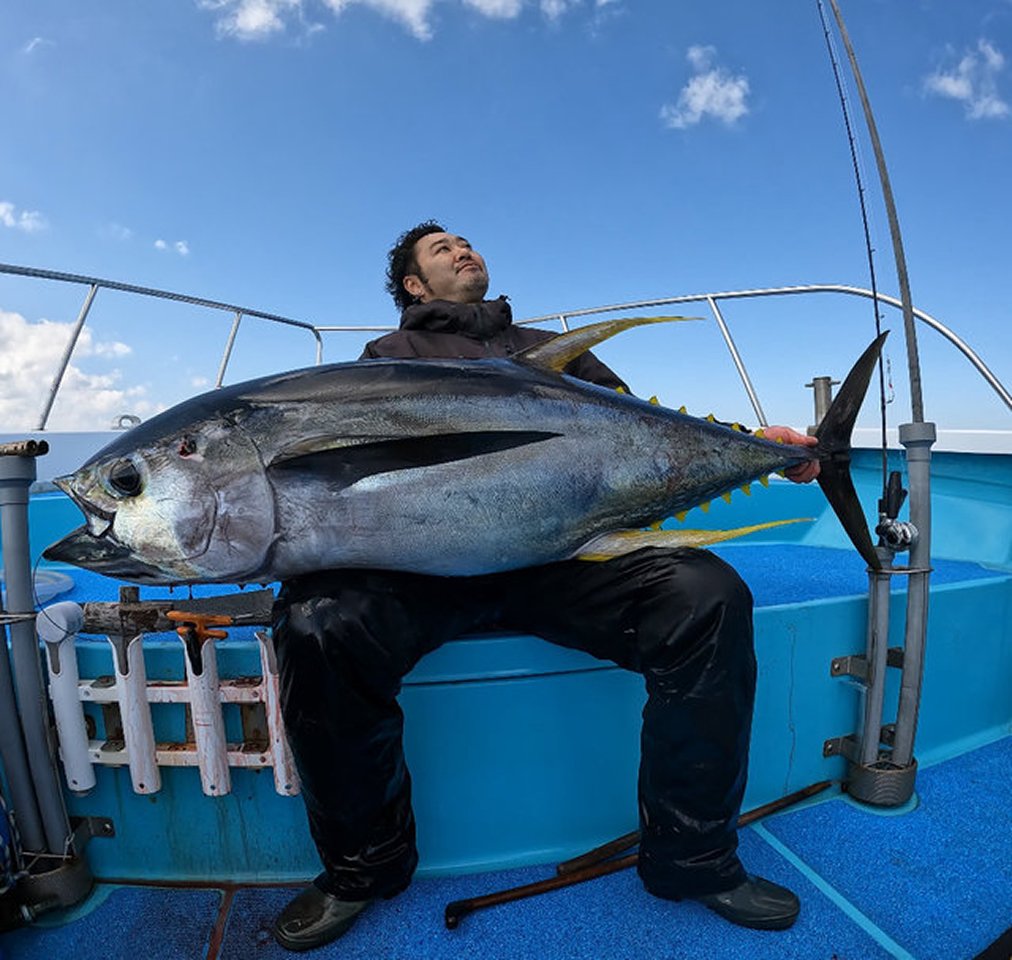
<point>227,353</point>
<point>67,353</point>
<point>739,365</point>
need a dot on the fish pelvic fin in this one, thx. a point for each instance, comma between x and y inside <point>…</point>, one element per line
<point>610,545</point>
<point>554,354</point>
<point>834,452</point>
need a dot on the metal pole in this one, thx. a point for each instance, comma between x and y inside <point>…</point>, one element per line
<point>16,476</point>
<point>917,438</point>
<point>65,362</point>
<point>876,655</point>
<point>736,357</point>
<point>226,355</point>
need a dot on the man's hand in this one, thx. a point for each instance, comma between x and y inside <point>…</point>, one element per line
<point>803,472</point>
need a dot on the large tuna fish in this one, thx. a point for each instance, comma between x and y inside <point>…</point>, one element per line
<point>450,467</point>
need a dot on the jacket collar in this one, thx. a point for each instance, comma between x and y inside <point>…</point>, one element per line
<point>478,320</point>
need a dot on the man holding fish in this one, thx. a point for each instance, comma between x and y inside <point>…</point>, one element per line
<point>681,617</point>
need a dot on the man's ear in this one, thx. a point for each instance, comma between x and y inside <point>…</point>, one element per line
<point>413,284</point>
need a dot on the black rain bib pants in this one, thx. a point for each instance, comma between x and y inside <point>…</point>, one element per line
<point>682,618</point>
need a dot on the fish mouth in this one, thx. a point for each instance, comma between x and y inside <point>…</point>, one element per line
<point>103,554</point>
<point>99,521</point>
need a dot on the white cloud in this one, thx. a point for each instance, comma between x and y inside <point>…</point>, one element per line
<point>497,9</point>
<point>711,92</point>
<point>29,357</point>
<point>250,19</point>
<point>179,246</point>
<point>974,82</point>
<point>118,232</point>
<point>261,19</point>
<point>553,9</point>
<point>35,43</point>
<point>29,221</point>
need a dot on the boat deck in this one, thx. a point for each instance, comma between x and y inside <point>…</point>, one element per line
<point>931,881</point>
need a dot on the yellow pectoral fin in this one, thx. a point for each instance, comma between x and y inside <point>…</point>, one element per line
<point>617,544</point>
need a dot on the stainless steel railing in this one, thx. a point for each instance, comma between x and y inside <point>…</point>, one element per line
<point>563,318</point>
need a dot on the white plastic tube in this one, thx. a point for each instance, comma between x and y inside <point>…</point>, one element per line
<point>135,712</point>
<point>58,626</point>
<point>286,779</point>
<point>208,722</point>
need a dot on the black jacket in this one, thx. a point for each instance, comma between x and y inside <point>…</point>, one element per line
<point>472,331</point>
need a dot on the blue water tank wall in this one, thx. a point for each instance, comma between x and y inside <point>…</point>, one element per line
<point>523,752</point>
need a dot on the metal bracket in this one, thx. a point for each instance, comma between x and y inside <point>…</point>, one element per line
<point>854,666</point>
<point>841,746</point>
<point>87,827</point>
<point>857,665</point>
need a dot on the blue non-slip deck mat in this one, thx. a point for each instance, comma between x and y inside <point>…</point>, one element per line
<point>794,573</point>
<point>776,574</point>
<point>123,923</point>
<point>938,879</point>
<point>611,918</point>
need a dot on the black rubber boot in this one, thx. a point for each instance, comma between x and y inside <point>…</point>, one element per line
<point>756,903</point>
<point>314,918</point>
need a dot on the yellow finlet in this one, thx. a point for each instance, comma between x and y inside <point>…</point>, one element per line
<point>760,433</point>
<point>682,409</point>
<point>710,418</point>
<point>611,545</point>
<point>746,488</point>
<point>764,480</point>
<point>780,473</point>
<point>621,390</point>
<point>705,506</point>
<point>681,515</point>
<point>736,427</point>
<point>726,496</point>
<point>655,401</point>
<point>656,525</point>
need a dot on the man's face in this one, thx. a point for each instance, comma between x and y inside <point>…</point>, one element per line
<point>448,269</point>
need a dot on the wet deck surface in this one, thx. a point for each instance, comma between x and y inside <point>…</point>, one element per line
<point>933,882</point>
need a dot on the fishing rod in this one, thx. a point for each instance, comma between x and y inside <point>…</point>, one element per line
<point>882,765</point>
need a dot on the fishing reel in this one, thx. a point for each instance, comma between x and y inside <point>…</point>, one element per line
<point>895,534</point>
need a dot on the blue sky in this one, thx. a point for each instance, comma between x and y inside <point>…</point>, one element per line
<point>267,152</point>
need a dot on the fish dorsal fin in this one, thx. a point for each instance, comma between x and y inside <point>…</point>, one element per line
<point>554,354</point>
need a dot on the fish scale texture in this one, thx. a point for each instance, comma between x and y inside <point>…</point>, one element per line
<point>938,880</point>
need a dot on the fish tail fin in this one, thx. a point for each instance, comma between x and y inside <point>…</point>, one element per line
<point>834,435</point>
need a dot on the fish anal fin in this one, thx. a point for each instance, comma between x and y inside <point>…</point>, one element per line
<point>610,545</point>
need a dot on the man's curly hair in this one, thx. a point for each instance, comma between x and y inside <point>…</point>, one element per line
<point>401,260</point>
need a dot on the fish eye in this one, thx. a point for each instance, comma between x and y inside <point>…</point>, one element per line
<point>125,479</point>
